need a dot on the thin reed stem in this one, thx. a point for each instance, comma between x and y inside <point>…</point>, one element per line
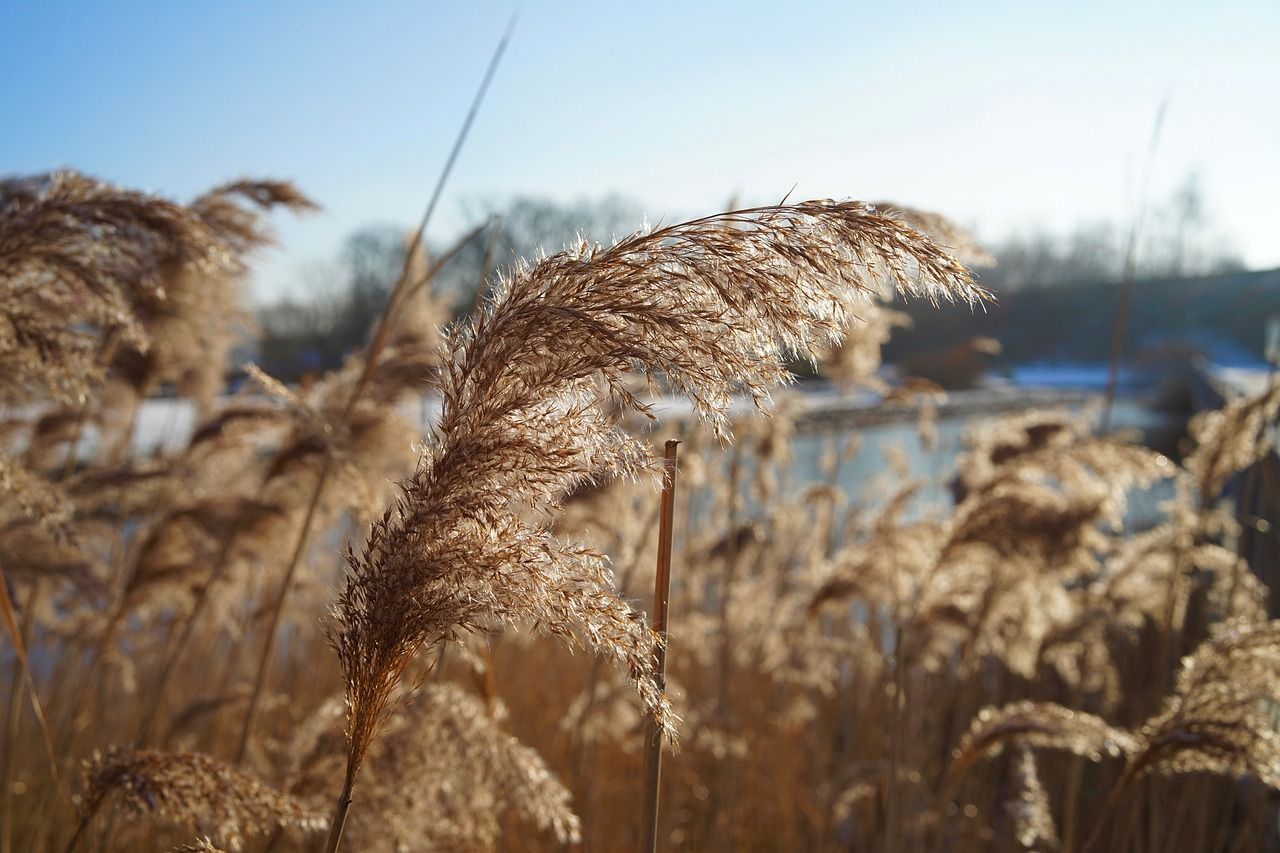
<point>277,611</point>
<point>339,820</point>
<point>661,600</point>
<point>892,805</point>
<point>400,291</point>
<point>12,721</point>
<point>81,826</point>
<point>490,245</point>
<point>405,287</point>
<point>1126,286</point>
<point>20,653</point>
<point>722,812</point>
<point>174,652</point>
<point>1109,809</point>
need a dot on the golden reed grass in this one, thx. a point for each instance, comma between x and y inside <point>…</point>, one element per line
<point>881,669</point>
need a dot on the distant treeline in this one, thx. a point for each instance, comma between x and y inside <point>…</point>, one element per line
<point>1056,293</point>
<point>1221,316</point>
<point>344,298</point>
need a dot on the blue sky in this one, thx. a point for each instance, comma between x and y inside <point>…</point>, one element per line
<point>1006,116</point>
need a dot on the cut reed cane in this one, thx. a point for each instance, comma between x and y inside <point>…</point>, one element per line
<point>661,595</point>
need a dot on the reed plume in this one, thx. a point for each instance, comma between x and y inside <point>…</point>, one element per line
<point>710,306</point>
<point>1042,725</point>
<point>1221,716</point>
<point>190,788</point>
<point>443,776</point>
<point>76,257</point>
<point>958,241</point>
<point>1230,439</point>
<point>855,359</point>
<point>1219,719</point>
<point>91,273</point>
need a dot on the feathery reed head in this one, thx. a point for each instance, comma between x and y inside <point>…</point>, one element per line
<point>1221,716</point>
<point>710,306</point>
<point>193,788</point>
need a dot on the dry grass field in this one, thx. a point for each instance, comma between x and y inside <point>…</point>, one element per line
<point>315,627</point>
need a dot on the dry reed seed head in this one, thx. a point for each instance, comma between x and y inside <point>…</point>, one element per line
<point>888,568</point>
<point>32,500</point>
<point>1139,575</point>
<point>1056,453</point>
<point>192,788</point>
<point>49,436</point>
<point>242,229</point>
<point>1231,439</point>
<point>179,549</point>
<point>711,306</point>
<point>855,360</point>
<point>996,442</point>
<point>365,446</point>
<point>1220,718</point>
<point>1020,520</point>
<point>1041,725</point>
<point>442,777</point>
<point>77,251</point>
<point>1221,715</point>
<point>957,240</point>
<point>1140,572</point>
<point>30,554</point>
<point>90,273</point>
<point>1078,652</point>
<point>1236,594</point>
<point>193,331</point>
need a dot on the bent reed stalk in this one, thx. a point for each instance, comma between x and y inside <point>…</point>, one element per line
<point>402,290</point>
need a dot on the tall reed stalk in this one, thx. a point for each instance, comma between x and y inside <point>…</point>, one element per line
<point>1121,319</point>
<point>22,662</point>
<point>379,341</point>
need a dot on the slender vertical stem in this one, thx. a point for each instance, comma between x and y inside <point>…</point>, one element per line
<point>339,820</point>
<point>1075,776</point>
<point>20,654</point>
<point>13,717</point>
<point>277,610</point>
<point>722,806</point>
<point>892,806</point>
<point>404,288</point>
<point>86,818</point>
<point>173,652</point>
<point>490,246</point>
<point>1130,269</point>
<point>661,596</point>
<point>1109,808</point>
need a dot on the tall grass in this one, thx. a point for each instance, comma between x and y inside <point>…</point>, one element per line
<point>875,670</point>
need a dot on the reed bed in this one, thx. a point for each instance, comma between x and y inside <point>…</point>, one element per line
<point>314,627</point>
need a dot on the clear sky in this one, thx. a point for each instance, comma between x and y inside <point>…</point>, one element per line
<point>1005,116</point>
